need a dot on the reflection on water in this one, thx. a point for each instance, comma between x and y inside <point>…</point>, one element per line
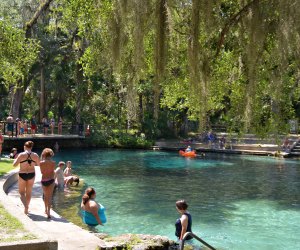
<point>237,202</point>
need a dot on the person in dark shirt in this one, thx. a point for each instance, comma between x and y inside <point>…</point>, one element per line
<point>184,223</point>
<point>13,153</point>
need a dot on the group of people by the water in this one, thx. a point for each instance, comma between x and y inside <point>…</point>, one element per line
<point>22,127</point>
<point>64,177</point>
<point>93,213</point>
<point>51,176</point>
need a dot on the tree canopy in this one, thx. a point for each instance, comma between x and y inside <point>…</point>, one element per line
<point>161,66</point>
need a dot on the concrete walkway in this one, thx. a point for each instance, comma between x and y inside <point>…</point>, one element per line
<point>68,235</point>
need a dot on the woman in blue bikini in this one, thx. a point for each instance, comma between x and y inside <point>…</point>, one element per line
<point>93,213</point>
<point>27,161</point>
<point>47,168</point>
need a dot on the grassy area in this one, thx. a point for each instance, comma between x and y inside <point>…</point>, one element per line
<point>11,229</point>
<point>5,166</point>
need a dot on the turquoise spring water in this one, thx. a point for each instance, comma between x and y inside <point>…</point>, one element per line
<point>237,202</point>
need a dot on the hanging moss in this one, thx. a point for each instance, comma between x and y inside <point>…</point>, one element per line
<point>160,54</point>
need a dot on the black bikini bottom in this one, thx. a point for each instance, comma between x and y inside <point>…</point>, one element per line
<point>27,176</point>
<point>47,183</point>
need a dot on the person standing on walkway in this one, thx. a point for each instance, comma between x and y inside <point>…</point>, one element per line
<point>27,161</point>
<point>10,125</point>
<point>47,166</point>
<point>45,125</point>
<point>184,223</point>
<point>33,125</point>
<point>59,125</point>
<point>52,125</point>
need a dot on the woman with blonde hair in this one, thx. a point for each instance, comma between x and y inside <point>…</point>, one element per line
<point>47,166</point>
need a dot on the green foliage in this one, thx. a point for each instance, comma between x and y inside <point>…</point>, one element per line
<point>113,62</point>
<point>118,139</point>
<point>17,53</point>
<point>5,166</point>
<point>11,229</point>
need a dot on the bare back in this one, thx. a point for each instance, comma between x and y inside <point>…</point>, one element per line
<point>47,169</point>
<point>90,206</point>
<point>27,161</point>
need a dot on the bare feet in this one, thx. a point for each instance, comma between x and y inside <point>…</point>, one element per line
<point>26,210</point>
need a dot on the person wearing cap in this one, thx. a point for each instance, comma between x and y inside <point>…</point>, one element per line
<point>59,175</point>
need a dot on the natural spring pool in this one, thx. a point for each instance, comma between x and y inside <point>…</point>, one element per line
<point>237,202</point>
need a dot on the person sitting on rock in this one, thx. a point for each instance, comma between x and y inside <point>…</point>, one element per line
<point>286,145</point>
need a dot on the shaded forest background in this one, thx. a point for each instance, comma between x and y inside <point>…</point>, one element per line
<point>161,67</point>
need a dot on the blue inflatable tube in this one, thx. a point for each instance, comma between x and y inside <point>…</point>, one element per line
<point>89,219</point>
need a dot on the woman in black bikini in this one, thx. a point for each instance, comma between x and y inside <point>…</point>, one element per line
<point>27,161</point>
<point>47,168</point>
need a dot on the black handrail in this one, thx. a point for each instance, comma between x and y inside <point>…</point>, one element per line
<point>67,128</point>
<point>197,238</point>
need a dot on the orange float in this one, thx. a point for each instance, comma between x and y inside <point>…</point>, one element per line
<point>188,154</point>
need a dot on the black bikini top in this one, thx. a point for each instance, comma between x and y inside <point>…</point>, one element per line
<point>29,159</point>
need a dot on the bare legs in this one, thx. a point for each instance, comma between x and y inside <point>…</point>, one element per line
<point>48,192</point>
<point>25,189</point>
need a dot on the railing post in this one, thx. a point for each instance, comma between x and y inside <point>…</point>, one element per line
<point>195,237</point>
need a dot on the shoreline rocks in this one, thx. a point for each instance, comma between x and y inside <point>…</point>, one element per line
<point>136,242</point>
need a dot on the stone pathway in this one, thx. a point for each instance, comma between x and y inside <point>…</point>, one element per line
<point>68,235</point>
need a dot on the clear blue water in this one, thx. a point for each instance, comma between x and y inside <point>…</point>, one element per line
<point>237,202</point>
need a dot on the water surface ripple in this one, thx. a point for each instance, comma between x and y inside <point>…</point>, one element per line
<point>237,202</point>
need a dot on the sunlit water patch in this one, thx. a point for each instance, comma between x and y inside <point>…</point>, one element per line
<point>237,202</point>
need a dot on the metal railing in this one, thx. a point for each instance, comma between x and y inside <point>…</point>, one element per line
<point>195,237</point>
<point>67,129</point>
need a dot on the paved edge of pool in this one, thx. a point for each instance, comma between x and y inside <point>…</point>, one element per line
<point>57,233</point>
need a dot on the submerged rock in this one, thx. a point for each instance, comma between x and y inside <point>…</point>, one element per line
<point>136,242</point>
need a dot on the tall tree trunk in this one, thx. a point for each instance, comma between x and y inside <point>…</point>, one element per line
<point>160,53</point>
<point>141,112</point>
<point>79,90</point>
<point>42,97</point>
<point>17,98</point>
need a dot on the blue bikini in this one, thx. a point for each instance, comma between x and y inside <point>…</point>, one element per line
<point>89,219</point>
